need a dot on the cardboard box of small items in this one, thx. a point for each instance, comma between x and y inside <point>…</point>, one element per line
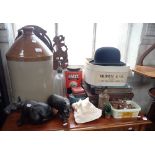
<point>125,109</point>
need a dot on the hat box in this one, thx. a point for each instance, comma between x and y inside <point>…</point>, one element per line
<point>99,75</point>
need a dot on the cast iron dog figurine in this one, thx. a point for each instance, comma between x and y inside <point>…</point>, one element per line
<point>32,112</point>
<point>38,112</point>
<point>61,104</point>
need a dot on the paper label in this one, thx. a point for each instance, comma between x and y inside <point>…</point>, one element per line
<point>28,105</point>
<point>38,50</point>
<point>127,114</point>
<point>110,77</point>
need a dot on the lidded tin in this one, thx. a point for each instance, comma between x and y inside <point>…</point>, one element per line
<point>30,64</point>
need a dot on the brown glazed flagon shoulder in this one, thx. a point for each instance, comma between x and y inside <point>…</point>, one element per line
<point>28,47</point>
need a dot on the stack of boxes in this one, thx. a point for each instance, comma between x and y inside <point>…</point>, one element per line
<point>106,71</point>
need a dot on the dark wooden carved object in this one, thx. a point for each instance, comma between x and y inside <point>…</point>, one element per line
<point>60,56</point>
<point>140,61</point>
<point>151,113</point>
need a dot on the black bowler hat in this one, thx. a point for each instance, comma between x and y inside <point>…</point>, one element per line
<point>107,56</point>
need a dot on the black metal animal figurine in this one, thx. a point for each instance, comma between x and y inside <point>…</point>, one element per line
<point>32,112</point>
<point>61,104</point>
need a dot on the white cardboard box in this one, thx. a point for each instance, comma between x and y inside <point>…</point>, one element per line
<point>105,75</point>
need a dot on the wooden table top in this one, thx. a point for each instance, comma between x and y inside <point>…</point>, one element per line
<point>56,124</point>
<point>11,124</point>
<point>145,71</point>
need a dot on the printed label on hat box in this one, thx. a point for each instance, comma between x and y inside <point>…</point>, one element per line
<point>110,77</point>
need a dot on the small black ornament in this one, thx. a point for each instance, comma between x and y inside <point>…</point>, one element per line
<point>60,103</point>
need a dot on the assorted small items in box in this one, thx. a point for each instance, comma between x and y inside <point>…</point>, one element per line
<point>125,109</point>
<point>122,104</point>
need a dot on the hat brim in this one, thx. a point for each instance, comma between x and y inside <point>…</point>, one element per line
<point>108,64</point>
